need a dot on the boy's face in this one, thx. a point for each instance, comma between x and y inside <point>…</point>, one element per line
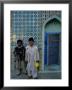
<point>31,43</point>
<point>19,44</point>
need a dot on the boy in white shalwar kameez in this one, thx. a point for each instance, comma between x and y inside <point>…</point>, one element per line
<point>32,56</point>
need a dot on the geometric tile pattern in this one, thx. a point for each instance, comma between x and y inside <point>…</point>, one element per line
<point>25,24</point>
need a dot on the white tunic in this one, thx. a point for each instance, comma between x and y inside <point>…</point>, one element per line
<point>32,55</point>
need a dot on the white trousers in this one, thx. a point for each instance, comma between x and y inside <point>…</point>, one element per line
<point>31,70</point>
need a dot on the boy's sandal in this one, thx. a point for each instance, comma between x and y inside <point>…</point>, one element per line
<point>29,77</point>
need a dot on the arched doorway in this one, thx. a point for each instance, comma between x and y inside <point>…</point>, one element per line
<point>52,44</point>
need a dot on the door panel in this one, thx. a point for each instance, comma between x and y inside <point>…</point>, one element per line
<point>53,49</point>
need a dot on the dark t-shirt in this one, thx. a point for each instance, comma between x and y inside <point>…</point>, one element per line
<point>20,52</point>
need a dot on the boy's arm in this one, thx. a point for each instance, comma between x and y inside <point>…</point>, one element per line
<point>37,55</point>
<point>14,52</point>
<point>24,51</point>
<point>26,55</point>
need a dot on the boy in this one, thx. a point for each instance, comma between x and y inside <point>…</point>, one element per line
<point>32,56</point>
<point>19,53</point>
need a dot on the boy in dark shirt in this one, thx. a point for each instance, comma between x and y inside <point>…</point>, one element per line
<point>19,53</point>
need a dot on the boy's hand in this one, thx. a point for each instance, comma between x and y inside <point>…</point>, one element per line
<point>38,67</point>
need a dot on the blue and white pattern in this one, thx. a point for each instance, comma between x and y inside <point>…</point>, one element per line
<point>26,24</point>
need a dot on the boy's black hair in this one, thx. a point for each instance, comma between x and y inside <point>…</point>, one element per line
<point>19,41</point>
<point>31,39</point>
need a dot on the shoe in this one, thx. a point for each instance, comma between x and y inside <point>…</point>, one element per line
<point>35,78</point>
<point>18,73</point>
<point>29,77</point>
<point>25,72</point>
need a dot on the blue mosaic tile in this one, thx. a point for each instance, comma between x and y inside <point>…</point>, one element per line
<point>30,23</point>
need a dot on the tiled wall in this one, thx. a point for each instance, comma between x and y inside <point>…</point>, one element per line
<point>25,24</point>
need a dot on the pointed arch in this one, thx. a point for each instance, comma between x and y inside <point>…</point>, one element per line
<point>43,30</point>
<point>50,19</point>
